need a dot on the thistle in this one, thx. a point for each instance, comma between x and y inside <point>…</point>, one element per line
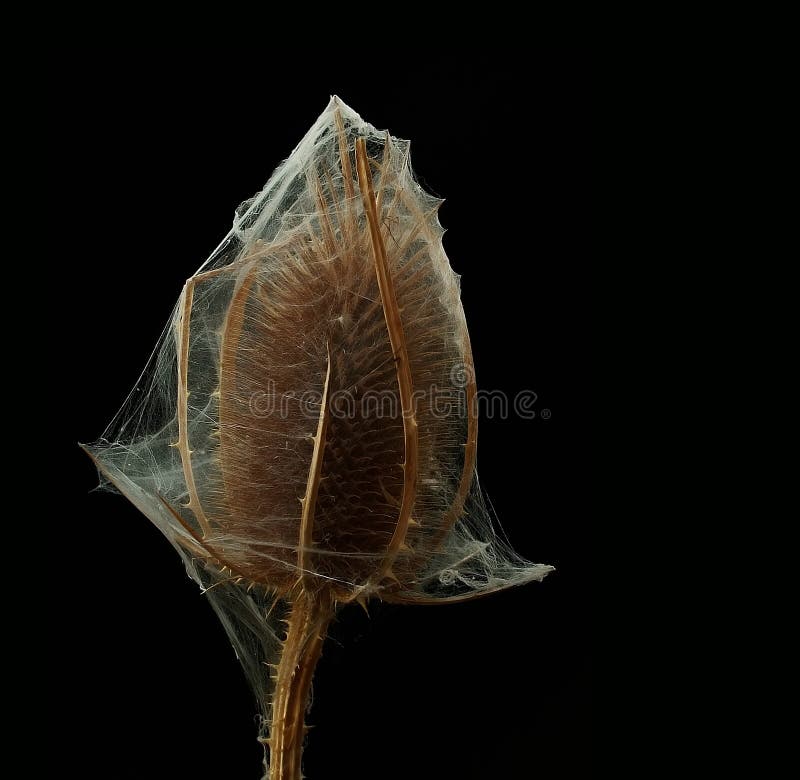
<point>305,433</point>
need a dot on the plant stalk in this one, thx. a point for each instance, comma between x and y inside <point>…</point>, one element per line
<point>307,626</point>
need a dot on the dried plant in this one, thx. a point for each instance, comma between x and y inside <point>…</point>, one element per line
<point>305,432</point>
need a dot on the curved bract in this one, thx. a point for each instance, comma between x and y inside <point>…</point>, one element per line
<point>305,433</point>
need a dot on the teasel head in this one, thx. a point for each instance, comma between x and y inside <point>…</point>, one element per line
<point>305,433</point>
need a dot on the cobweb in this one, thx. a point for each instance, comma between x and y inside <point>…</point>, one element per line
<point>228,490</point>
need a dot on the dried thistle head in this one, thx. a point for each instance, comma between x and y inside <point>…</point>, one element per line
<point>306,429</point>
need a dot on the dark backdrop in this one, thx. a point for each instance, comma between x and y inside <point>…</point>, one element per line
<point>151,156</point>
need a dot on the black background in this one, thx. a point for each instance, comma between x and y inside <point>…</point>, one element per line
<point>151,156</point>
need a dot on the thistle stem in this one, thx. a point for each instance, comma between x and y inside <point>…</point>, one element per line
<point>307,626</point>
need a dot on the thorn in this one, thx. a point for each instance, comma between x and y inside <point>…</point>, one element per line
<point>361,599</point>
